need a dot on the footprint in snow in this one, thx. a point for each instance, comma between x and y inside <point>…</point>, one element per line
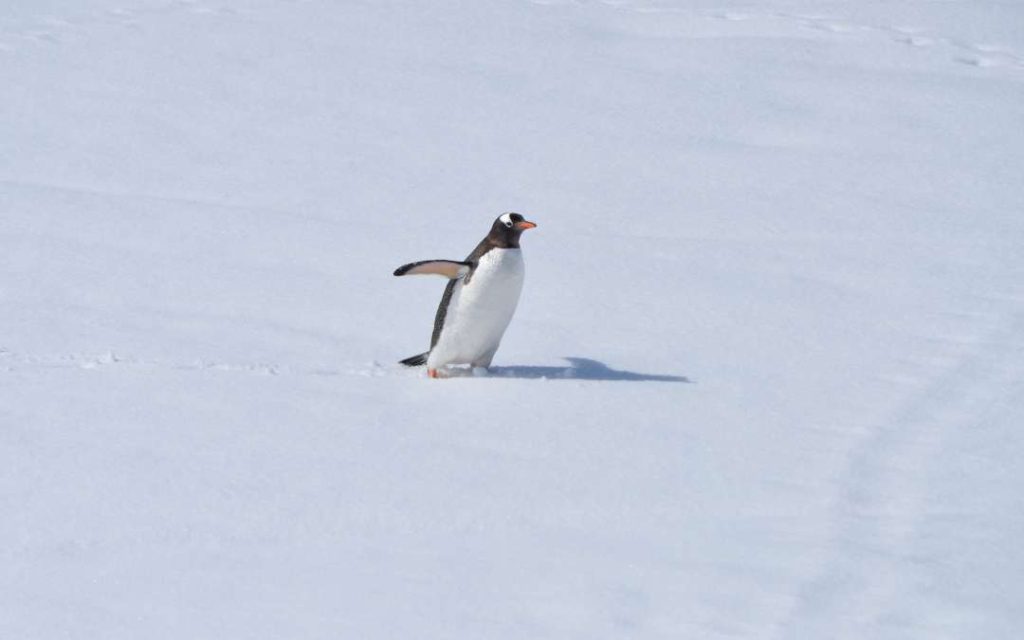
<point>977,61</point>
<point>916,41</point>
<point>734,16</point>
<point>834,27</point>
<point>43,36</point>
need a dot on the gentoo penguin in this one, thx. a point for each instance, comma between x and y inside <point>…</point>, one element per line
<point>480,298</point>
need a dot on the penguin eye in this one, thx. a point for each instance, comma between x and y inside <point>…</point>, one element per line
<point>508,223</point>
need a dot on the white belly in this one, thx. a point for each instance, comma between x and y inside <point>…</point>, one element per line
<point>479,312</point>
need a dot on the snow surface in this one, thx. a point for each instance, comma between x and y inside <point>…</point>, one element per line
<point>766,379</point>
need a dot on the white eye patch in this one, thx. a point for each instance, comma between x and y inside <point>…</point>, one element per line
<point>506,219</point>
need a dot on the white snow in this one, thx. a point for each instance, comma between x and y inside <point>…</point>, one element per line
<point>766,379</point>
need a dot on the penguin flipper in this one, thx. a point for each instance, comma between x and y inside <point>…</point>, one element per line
<point>448,268</point>
<point>416,360</point>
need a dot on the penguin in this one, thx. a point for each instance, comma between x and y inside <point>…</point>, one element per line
<point>478,303</point>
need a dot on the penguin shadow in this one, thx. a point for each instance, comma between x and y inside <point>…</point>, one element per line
<point>582,369</point>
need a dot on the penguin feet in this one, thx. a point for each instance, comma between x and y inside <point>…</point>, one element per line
<point>459,372</point>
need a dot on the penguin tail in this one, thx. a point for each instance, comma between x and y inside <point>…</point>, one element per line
<point>416,360</point>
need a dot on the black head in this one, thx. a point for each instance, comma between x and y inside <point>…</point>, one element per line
<point>507,228</point>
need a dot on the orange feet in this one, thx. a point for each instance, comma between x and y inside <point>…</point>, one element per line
<point>433,373</point>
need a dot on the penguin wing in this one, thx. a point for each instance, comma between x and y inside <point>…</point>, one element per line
<point>447,268</point>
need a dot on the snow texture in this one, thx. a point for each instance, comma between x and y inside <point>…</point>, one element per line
<point>766,379</point>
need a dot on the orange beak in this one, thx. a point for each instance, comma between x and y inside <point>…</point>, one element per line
<point>525,224</point>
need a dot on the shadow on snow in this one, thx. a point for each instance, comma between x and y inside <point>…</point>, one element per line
<point>581,369</point>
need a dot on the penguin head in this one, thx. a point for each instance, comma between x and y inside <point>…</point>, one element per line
<point>508,227</point>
